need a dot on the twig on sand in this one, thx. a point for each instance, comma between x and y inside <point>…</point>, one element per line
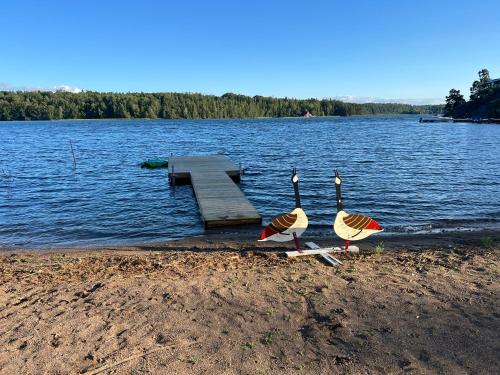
<point>111,365</point>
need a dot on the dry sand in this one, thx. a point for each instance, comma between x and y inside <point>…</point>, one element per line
<point>225,305</point>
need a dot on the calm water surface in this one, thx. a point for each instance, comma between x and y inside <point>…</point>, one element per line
<point>409,176</point>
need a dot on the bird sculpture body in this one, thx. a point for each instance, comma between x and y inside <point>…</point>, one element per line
<point>290,226</point>
<point>351,227</point>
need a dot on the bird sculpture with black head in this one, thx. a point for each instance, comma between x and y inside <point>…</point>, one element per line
<point>351,227</point>
<point>290,226</point>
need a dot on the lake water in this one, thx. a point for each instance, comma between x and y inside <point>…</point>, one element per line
<point>409,176</point>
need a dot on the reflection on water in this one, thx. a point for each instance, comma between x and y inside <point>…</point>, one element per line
<point>407,175</point>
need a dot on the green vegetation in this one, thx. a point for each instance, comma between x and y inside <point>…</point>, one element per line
<point>248,345</point>
<point>379,249</point>
<point>484,99</point>
<point>267,339</point>
<point>352,269</point>
<point>487,242</point>
<point>94,105</point>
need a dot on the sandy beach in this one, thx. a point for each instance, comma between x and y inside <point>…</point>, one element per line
<point>229,305</point>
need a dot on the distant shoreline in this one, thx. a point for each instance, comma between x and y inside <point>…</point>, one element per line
<point>97,105</point>
<point>211,118</point>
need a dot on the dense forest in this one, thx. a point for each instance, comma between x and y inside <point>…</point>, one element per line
<point>39,105</point>
<point>484,100</point>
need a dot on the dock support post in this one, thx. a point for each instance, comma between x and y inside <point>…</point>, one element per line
<point>73,153</point>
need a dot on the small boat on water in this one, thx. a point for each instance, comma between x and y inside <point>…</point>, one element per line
<point>154,163</point>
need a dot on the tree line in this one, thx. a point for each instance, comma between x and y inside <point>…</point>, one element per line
<point>40,105</point>
<point>484,100</point>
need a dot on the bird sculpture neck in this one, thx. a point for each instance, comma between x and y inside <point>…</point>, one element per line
<point>340,206</point>
<point>297,195</point>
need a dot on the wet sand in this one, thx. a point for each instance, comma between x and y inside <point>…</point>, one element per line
<point>228,305</point>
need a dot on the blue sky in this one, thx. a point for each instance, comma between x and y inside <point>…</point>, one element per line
<point>363,50</point>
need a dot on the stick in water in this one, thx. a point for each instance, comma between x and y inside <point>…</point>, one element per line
<point>73,152</point>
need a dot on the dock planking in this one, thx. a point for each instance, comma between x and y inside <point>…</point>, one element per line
<point>213,177</point>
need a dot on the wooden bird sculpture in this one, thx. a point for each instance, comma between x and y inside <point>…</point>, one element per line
<point>351,227</point>
<point>287,227</point>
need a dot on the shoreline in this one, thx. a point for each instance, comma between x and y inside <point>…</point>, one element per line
<point>219,118</point>
<point>241,241</point>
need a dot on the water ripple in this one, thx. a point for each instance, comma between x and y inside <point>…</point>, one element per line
<point>409,176</point>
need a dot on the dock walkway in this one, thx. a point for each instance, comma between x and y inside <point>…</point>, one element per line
<point>220,200</point>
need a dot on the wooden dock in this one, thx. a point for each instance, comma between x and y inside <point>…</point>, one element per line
<point>220,200</point>
<point>435,119</point>
<point>466,120</point>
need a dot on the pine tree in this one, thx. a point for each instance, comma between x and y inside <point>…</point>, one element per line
<point>453,101</point>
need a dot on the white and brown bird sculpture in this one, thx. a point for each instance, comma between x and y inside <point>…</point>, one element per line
<point>351,227</point>
<point>291,226</point>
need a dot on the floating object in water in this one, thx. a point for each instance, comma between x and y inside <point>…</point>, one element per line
<point>351,227</point>
<point>154,163</point>
<point>287,227</point>
<point>467,120</point>
<point>436,119</point>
